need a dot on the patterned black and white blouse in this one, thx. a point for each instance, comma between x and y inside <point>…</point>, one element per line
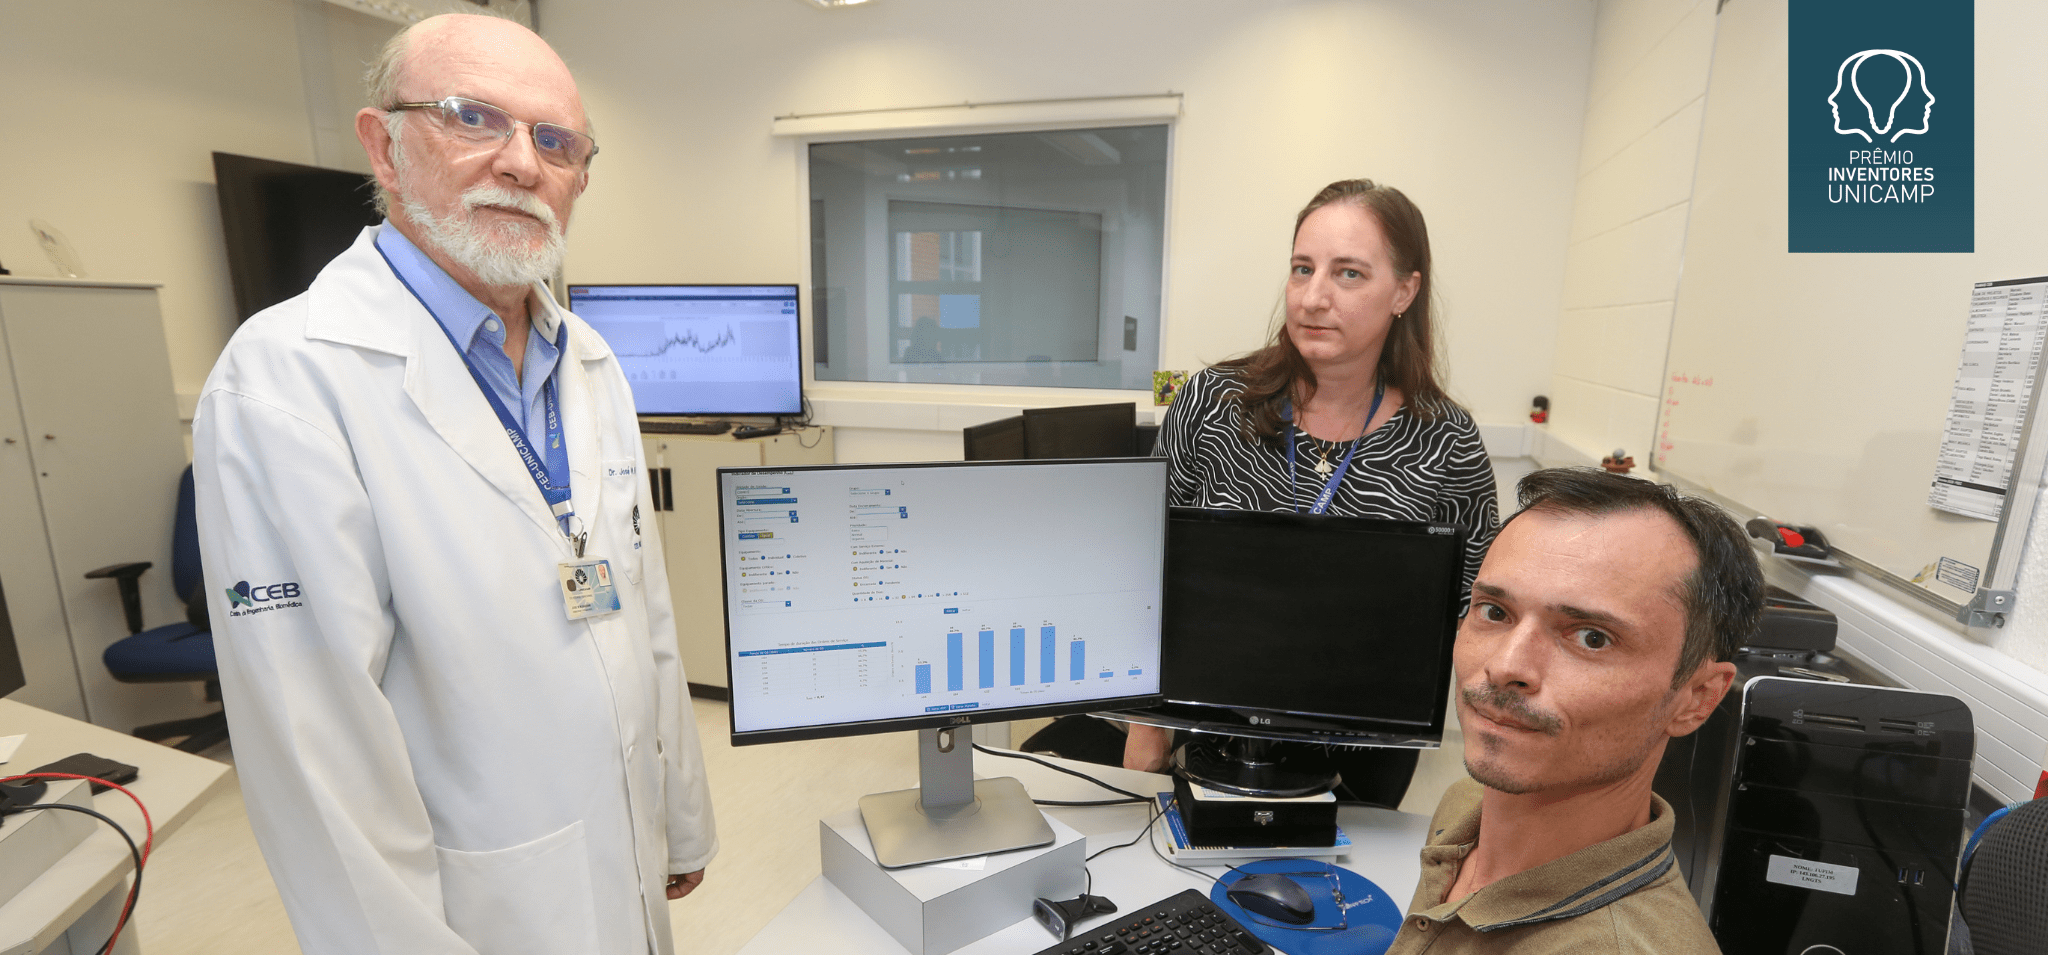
<point>1408,469</point>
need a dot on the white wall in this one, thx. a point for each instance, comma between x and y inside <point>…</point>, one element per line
<point>1642,134</point>
<point>1471,107</point>
<point>118,108</point>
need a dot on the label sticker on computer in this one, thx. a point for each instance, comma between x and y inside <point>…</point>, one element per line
<point>1808,874</point>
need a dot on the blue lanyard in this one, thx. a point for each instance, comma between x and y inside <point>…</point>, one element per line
<point>1330,489</point>
<point>550,476</point>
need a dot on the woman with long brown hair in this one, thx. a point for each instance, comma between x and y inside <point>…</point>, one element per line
<point>1341,413</point>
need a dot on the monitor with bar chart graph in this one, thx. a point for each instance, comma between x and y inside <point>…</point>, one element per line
<point>872,598</point>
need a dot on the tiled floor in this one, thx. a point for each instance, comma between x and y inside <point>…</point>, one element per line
<point>208,893</point>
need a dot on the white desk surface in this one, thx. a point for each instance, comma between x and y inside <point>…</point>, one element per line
<point>172,784</point>
<point>823,921</point>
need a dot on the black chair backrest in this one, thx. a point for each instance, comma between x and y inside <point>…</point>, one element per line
<point>2004,897</point>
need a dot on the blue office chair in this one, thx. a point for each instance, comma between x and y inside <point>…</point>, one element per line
<point>174,652</point>
<point>2004,895</point>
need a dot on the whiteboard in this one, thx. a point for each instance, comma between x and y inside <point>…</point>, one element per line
<point>1813,388</point>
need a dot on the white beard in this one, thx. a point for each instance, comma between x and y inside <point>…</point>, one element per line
<point>499,253</point>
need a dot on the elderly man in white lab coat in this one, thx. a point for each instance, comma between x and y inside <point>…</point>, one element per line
<point>446,647</point>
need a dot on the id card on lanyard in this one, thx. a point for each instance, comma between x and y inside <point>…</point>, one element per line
<point>1329,492</point>
<point>588,589</point>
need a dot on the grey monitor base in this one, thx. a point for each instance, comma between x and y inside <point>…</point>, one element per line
<point>951,815</point>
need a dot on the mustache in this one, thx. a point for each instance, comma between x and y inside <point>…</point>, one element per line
<point>1486,697</point>
<point>489,194</point>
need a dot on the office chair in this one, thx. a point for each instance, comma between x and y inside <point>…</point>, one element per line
<point>174,652</point>
<point>2004,895</point>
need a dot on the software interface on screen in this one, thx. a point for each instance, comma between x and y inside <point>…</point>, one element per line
<point>858,594</point>
<point>701,349</point>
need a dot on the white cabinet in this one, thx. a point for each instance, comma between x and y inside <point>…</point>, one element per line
<point>90,451</point>
<point>684,468</point>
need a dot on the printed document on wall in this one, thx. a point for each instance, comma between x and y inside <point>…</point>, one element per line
<point>1987,413</point>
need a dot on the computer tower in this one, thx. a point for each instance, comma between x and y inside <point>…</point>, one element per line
<point>1846,822</point>
<point>1696,774</point>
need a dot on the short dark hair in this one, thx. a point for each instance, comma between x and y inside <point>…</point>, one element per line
<point>1724,594</point>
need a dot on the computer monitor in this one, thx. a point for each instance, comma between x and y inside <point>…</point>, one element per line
<point>1082,431</point>
<point>701,349</point>
<point>1000,440</point>
<point>874,598</point>
<point>1317,629</point>
<point>283,222</point>
<point>12,677</point>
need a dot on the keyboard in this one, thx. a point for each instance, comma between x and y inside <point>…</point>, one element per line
<point>656,426</point>
<point>1184,924</point>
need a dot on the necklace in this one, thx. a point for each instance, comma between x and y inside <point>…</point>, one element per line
<point>1322,467</point>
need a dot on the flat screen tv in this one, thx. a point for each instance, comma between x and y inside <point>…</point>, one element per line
<point>283,222</point>
<point>701,349</point>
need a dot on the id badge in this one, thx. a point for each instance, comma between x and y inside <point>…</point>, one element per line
<point>587,588</point>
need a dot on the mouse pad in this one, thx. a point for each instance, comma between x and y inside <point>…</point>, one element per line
<point>1370,918</point>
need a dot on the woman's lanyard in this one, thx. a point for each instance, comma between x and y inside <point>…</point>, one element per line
<point>1330,489</point>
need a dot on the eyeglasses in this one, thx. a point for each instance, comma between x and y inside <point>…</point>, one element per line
<point>478,122</point>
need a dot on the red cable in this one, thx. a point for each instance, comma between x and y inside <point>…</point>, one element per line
<point>148,840</point>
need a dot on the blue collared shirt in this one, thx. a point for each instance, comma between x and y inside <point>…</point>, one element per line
<point>467,320</point>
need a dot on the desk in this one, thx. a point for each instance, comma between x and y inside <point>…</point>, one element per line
<point>72,908</point>
<point>823,921</point>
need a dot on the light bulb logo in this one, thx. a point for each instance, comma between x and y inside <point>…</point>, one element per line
<point>1890,121</point>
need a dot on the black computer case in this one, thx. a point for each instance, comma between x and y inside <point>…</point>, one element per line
<point>1846,822</point>
<point>1795,641</point>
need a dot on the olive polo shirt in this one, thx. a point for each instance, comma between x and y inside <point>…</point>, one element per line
<point>1622,895</point>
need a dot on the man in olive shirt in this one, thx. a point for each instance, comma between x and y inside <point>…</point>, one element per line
<point>1601,626</point>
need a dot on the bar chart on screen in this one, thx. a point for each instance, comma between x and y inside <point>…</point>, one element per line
<point>927,593</point>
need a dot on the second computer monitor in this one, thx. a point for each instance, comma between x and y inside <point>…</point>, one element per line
<point>872,598</point>
<point>701,349</point>
<point>1329,629</point>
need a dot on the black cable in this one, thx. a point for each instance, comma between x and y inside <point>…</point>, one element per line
<point>1126,801</point>
<point>1162,857</point>
<point>134,892</point>
<point>1087,877</point>
<point>1157,811</point>
<point>1079,775</point>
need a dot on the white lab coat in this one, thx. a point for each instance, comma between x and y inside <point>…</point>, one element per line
<point>436,760</point>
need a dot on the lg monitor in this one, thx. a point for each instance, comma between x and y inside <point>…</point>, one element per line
<point>1285,627</point>
<point>691,350</point>
<point>875,598</point>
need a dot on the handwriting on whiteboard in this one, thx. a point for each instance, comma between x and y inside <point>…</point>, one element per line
<point>1674,397</point>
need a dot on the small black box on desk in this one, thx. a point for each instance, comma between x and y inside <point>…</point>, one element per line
<point>1216,819</point>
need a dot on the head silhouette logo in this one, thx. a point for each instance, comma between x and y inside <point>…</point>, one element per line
<point>1874,160</point>
<point>1865,104</point>
<point>238,595</point>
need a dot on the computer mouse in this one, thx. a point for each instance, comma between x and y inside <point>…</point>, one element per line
<point>1274,896</point>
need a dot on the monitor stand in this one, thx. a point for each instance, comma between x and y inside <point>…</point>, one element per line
<point>951,815</point>
<point>1248,766</point>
